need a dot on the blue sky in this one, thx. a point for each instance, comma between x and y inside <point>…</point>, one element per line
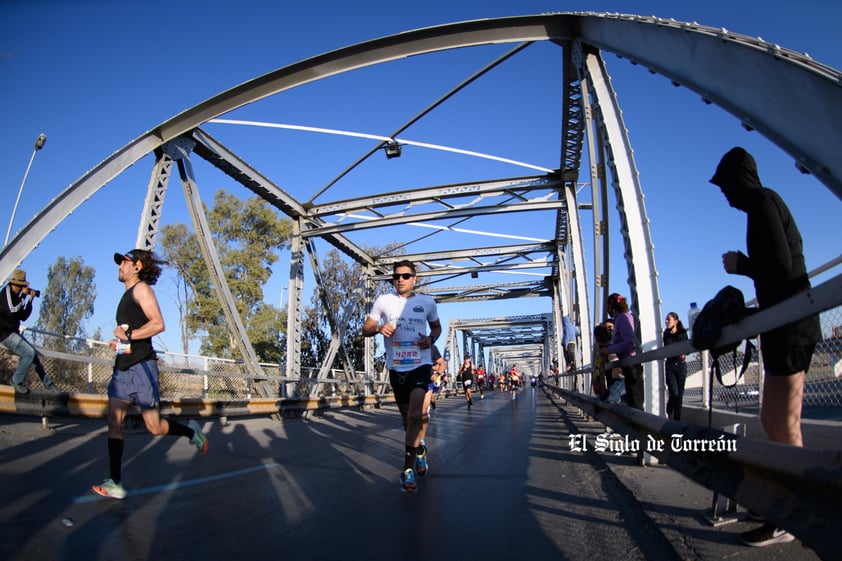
<point>94,75</point>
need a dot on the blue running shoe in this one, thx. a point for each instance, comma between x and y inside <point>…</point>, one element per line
<point>407,479</point>
<point>421,464</point>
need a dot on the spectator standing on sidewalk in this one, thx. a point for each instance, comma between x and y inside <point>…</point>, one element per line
<point>676,368</point>
<point>624,344</point>
<point>775,263</point>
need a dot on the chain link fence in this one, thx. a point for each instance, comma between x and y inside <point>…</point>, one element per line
<point>85,366</point>
<point>822,383</point>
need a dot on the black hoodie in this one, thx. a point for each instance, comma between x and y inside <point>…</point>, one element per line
<point>775,260</point>
<point>14,308</point>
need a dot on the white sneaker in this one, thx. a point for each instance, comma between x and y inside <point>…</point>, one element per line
<point>110,489</point>
<point>767,534</point>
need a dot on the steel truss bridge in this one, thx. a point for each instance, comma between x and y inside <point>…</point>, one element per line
<point>732,71</point>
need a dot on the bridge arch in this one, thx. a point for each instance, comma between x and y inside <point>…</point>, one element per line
<point>724,68</point>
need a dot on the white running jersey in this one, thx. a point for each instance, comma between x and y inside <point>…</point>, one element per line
<point>412,317</point>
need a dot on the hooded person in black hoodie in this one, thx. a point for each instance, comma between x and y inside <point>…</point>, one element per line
<point>775,262</point>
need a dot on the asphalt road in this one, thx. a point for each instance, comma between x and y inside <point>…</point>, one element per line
<point>503,484</point>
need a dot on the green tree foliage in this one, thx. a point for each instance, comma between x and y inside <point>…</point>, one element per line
<point>267,331</point>
<point>68,300</point>
<point>247,236</point>
<point>180,249</point>
<point>343,287</point>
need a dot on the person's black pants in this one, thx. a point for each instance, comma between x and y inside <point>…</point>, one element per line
<point>676,375</point>
<point>634,385</point>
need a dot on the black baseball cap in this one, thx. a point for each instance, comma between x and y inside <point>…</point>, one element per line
<point>130,255</point>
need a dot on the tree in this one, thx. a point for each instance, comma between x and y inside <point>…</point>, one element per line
<point>247,236</point>
<point>266,330</point>
<point>180,249</point>
<point>68,300</point>
<point>343,290</point>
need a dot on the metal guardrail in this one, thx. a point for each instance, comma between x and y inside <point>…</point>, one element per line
<point>821,298</point>
<point>799,489</point>
<point>46,405</point>
<point>822,383</point>
<point>89,371</point>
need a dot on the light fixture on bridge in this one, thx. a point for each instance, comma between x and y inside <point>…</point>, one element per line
<point>39,143</point>
<point>474,275</point>
<point>392,149</point>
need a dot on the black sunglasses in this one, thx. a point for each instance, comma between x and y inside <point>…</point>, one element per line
<point>404,276</point>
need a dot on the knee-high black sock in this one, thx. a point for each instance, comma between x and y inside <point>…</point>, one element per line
<point>409,457</point>
<point>115,458</point>
<point>177,429</point>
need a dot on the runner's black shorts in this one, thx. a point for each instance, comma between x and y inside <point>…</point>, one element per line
<point>404,382</point>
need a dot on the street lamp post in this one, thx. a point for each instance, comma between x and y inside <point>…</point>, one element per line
<point>39,143</point>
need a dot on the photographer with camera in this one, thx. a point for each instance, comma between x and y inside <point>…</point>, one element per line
<point>15,307</point>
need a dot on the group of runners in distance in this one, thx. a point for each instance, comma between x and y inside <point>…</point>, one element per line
<point>477,377</point>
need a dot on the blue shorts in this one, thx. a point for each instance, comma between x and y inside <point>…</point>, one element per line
<point>138,385</point>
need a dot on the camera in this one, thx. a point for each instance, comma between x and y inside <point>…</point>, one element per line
<point>32,291</point>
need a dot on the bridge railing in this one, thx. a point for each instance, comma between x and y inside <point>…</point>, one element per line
<point>84,366</point>
<point>822,383</point>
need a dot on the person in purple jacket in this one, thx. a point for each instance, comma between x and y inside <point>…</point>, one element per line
<point>624,344</point>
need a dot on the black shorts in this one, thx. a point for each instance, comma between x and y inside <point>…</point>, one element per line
<point>782,360</point>
<point>404,382</point>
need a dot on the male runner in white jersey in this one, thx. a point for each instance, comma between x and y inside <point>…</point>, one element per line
<point>402,318</point>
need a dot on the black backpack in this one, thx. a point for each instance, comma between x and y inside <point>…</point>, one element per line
<point>727,307</point>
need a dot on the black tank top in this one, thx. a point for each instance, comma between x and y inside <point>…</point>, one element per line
<point>129,312</point>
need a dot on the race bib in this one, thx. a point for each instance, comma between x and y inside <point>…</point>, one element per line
<point>406,353</point>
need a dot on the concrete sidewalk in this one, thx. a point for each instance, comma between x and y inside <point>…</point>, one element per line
<point>682,509</point>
